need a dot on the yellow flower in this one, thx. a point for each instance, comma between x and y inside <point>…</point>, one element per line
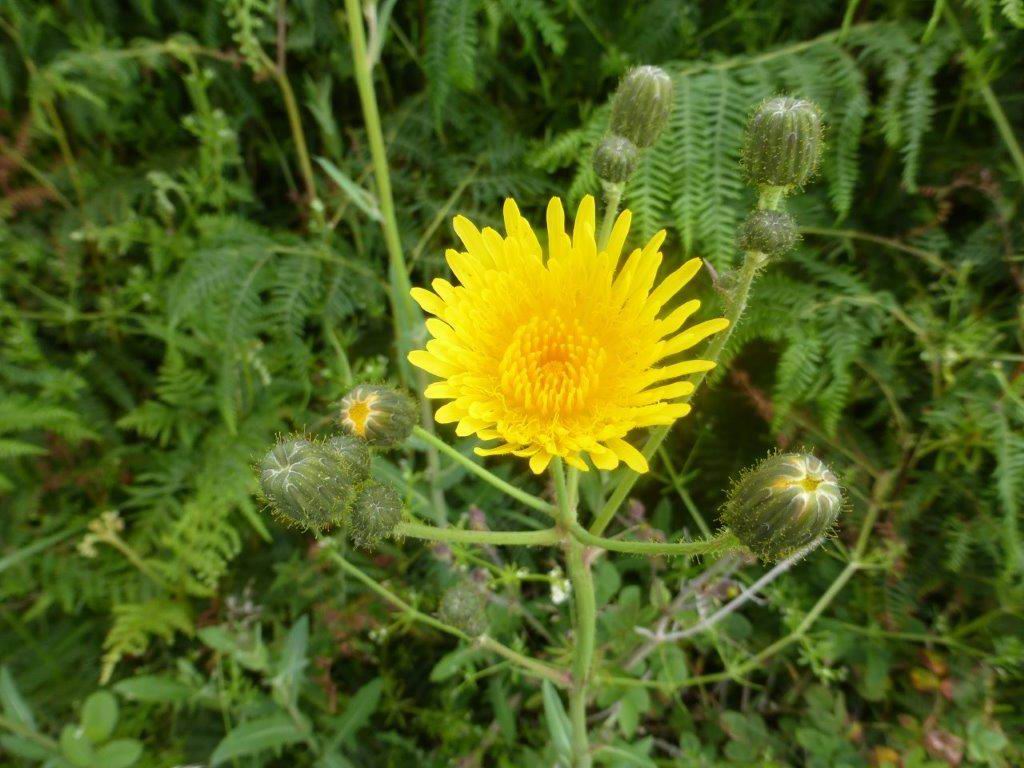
<point>559,357</point>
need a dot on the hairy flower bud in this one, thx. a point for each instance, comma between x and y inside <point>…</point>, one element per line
<point>306,484</point>
<point>380,415</point>
<point>769,232</point>
<point>783,142</point>
<point>615,159</point>
<point>375,514</point>
<point>464,606</point>
<point>783,504</point>
<point>641,105</point>
<point>352,453</point>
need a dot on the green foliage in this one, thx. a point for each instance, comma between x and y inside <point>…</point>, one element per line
<point>171,302</point>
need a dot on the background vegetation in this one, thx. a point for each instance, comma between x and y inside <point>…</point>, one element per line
<point>193,263</point>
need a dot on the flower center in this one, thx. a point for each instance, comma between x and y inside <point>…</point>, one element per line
<point>810,484</point>
<point>358,414</point>
<point>551,367</point>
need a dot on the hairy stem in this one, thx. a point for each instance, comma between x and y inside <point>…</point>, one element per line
<point>585,619</point>
<point>547,537</point>
<point>533,666</point>
<point>612,197</point>
<point>505,487</point>
<point>717,544</point>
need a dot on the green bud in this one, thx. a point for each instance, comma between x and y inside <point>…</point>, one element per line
<point>772,233</point>
<point>306,484</point>
<point>352,453</point>
<point>641,105</point>
<point>615,159</point>
<point>375,514</point>
<point>464,606</point>
<point>382,416</point>
<point>783,142</point>
<point>783,504</point>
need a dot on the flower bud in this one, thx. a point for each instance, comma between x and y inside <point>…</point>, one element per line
<point>615,159</point>
<point>772,233</point>
<point>783,504</point>
<point>352,453</point>
<point>783,142</point>
<point>382,416</point>
<point>641,105</point>
<point>375,514</point>
<point>464,606</point>
<point>304,483</point>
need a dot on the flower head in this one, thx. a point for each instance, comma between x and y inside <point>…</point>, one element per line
<point>560,355</point>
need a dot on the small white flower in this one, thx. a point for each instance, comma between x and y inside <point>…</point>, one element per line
<point>560,586</point>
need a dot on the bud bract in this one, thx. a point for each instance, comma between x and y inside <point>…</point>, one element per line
<point>376,512</point>
<point>615,159</point>
<point>783,142</point>
<point>769,232</point>
<point>641,105</point>
<point>783,504</point>
<point>464,606</point>
<point>352,453</point>
<point>304,483</point>
<point>382,416</point>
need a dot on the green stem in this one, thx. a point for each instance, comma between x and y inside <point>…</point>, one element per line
<point>27,733</point>
<point>547,537</point>
<point>406,313</point>
<point>998,116</point>
<point>402,304</point>
<point>612,196</point>
<point>505,487</point>
<point>737,303</point>
<point>719,543</point>
<point>295,124</point>
<point>533,666</point>
<point>585,619</point>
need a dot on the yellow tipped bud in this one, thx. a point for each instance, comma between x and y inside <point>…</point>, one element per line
<point>783,504</point>
<point>382,416</point>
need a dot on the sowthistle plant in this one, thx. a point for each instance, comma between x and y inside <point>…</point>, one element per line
<point>557,350</point>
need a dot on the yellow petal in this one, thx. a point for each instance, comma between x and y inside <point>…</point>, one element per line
<point>672,284</point>
<point>630,455</point>
<point>691,337</point>
<point>498,450</point>
<point>449,413</point>
<point>539,461</point>
<point>430,303</point>
<point>423,359</point>
<point>440,390</point>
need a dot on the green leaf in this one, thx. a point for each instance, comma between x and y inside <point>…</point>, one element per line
<point>631,707</point>
<point>99,716</point>
<point>362,199</point>
<point>360,707</point>
<point>451,663</point>
<point>76,746</point>
<point>293,660</point>
<point>503,714</point>
<point>120,753</point>
<point>558,721</point>
<point>29,750</point>
<point>255,736</point>
<point>14,706</point>
<point>154,689</point>
<point>620,756</point>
